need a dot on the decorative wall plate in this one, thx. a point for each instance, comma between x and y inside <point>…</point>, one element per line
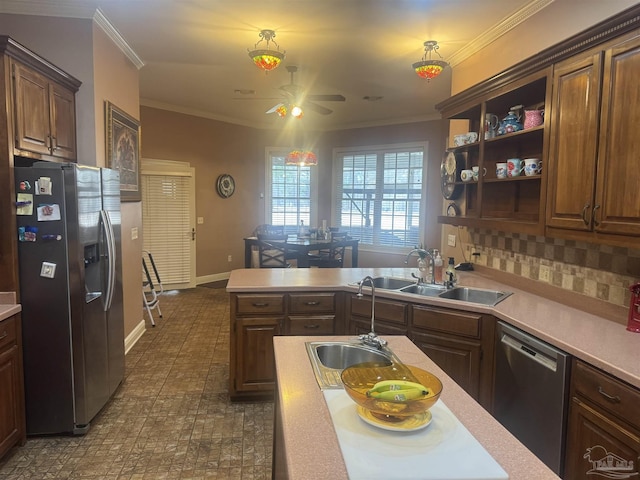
<point>225,185</point>
<point>453,210</point>
<point>450,168</point>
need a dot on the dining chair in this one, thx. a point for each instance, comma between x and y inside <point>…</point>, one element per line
<point>272,251</point>
<point>333,255</point>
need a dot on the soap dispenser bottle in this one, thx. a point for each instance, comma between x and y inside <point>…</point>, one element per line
<point>438,265</point>
<point>450,275</point>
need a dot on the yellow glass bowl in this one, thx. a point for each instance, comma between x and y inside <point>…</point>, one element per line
<point>360,378</point>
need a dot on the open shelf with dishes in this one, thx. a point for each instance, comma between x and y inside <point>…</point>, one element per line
<point>511,127</point>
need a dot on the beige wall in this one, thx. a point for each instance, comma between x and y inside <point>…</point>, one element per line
<point>213,148</point>
<point>116,80</point>
<point>554,23</point>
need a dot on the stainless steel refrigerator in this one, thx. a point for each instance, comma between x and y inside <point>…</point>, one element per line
<point>71,293</point>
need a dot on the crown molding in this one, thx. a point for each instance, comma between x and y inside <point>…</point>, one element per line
<point>72,9</point>
<point>497,31</point>
<point>107,27</point>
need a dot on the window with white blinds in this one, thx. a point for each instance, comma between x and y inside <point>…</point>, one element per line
<point>378,194</point>
<point>166,225</point>
<point>291,193</point>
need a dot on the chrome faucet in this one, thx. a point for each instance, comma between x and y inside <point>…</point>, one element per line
<point>371,338</point>
<point>426,253</point>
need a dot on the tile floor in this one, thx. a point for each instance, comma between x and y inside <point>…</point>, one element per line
<point>171,417</point>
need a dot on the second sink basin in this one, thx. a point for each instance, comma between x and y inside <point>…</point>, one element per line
<point>475,295</point>
<point>390,283</point>
<point>342,355</point>
<point>426,289</point>
<point>328,359</point>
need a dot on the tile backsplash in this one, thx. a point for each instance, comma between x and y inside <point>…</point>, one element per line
<point>601,271</point>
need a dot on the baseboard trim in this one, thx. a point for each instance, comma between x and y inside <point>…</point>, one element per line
<point>216,277</point>
<point>134,336</point>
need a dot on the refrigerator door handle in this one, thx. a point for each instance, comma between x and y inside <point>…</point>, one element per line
<point>111,256</point>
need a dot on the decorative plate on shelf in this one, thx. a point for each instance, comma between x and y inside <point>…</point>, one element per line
<point>452,165</point>
<point>225,185</point>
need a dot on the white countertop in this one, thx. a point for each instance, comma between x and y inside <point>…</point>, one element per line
<point>601,342</point>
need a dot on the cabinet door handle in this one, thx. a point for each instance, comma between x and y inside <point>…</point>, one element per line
<point>54,143</point>
<point>611,398</point>
<point>312,304</point>
<point>584,214</point>
<point>312,327</point>
<point>259,305</point>
<point>593,215</point>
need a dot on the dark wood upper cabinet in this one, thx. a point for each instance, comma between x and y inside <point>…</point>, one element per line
<point>594,179</point>
<point>45,115</point>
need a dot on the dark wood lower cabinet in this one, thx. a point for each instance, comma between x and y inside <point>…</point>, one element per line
<point>460,359</point>
<point>254,366</point>
<point>461,343</point>
<point>257,317</point>
<point>598,445</point>
<point>603,434</point>
<point>12,420</point>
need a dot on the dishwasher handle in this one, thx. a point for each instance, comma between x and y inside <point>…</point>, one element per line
<point>511,343</point>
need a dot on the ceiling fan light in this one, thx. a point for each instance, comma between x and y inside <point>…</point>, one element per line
<point>281,111</point>
<point>429,68</point>
<point>266,59</point>
<point>297,112</point>
<point>301,158</point>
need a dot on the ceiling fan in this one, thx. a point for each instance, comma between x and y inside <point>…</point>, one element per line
<point>295,102</point>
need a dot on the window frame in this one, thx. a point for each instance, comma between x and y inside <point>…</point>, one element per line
<point>380,150</point>
<point>271,152</point>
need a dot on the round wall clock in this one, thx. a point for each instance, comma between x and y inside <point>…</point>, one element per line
<point>450,169</point>
<point>225,185</point>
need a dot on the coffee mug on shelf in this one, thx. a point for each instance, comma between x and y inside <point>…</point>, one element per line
<point>501,170</point>
<point>466,175</point>
<point>514,167</point>
<point>476,172</point>
<point>531,166</point>
<point>533,118</point>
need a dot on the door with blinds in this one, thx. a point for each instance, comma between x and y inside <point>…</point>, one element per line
<point>168,220</point>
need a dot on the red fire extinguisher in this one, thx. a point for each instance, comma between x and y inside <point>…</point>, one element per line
<point>634,309</point>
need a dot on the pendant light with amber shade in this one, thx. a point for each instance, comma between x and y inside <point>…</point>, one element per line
<point>427,67</point>
<point>266,58</point>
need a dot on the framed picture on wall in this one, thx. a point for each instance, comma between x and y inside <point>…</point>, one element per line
<point>123,150</point>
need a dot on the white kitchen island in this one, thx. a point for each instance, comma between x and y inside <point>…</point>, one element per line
<point>305,443</point>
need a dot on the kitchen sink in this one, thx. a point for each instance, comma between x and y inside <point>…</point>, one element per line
<point>425,289</point>
<point>391,283</point>
<point>328,359</point>
<point>475,295</point>
<point>464,294</point>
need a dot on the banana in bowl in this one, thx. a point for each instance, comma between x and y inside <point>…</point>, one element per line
<point>391,393</point>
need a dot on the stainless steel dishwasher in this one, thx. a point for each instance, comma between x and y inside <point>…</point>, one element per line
<point>531,393</point>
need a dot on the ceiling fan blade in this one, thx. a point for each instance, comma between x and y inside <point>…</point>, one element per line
<point>326,98</point>
<point>274,108</point>
<point>314,107</point>
<point>289,89</point>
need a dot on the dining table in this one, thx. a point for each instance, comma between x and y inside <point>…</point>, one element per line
<point>300,247</point>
